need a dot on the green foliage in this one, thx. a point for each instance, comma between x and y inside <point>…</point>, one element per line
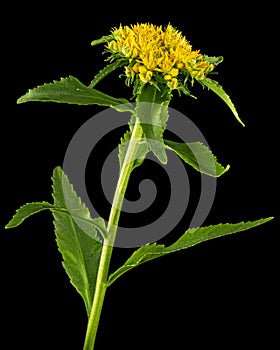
<point>214,60</point>
<point>198,156</point>
<point>76,234</point>
<point>71,90</point>
<point>190,238</point>
<point>102,40</point>
<point>107,70</point>
<point>152,111</point>
<point>27,210</point>
<point>216,87</point>
<point>80,252</point>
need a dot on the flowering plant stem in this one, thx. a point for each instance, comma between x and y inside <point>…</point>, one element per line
<point>103,270</point>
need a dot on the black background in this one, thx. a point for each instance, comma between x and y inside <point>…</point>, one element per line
<point>218,294</point>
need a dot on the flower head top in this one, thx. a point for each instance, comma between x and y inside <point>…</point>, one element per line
<point>158,55</point>
<point>161,57</point>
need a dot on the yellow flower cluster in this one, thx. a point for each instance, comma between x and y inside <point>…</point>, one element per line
<point>150,49</point>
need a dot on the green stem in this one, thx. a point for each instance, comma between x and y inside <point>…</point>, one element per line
<point>107,249</point>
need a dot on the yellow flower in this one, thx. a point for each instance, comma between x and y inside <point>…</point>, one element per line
<point>174,72</point>
<point>145,77</point>
<point>158,54</point>
<point>173,83</point>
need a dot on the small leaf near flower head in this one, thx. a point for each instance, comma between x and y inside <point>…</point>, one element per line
<point>152,111</point>
<point>107,70</point>
<point>217,88</point>
<point>213,59</point>
<point>103,39</point>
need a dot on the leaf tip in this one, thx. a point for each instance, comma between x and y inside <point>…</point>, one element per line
<point>21,100</point>
<point>57,169</point>
<point>240,121</point>
<point>57,172</point>
<point>226,169</point>
<point>12,223</point>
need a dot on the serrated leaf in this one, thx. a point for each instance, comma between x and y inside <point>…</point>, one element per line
<point>107,70</point>
<point>81,253</point>
<point>27,210</point>
<point>198,156</point>
<point>217,88</point>
<point>152,111</point>
<point>190,238</point>
<point>71,90</point>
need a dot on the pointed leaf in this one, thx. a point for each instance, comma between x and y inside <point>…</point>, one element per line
<point>152,111</point>
<point>103,39</point>
<point>215,87</point>
<point>107,70</point>
<point>213,59</point>
<point>198,156</point>
<point>27,210</point>
<point>81,253</point>
<point>190,238</point>
<point>71,90</point>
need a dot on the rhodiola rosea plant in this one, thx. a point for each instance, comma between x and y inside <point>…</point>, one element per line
<point>156,62</point>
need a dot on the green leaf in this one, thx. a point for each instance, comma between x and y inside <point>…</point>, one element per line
<point>27,210</point>
<point>71,90</point>
<point>190,238</point>
<point>198,156</point>
<point>214,60</point>
<point>81,253</point>
<point>152,110</point>
<point>215,87</point>
<point>103,39</point>
<point>107,70</point>
<point>75,232</point>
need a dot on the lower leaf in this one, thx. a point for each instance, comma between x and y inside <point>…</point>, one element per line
<point>190,238</point>
<point>27,210</point>
<point>76,234</point>
<point>80,252</point>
